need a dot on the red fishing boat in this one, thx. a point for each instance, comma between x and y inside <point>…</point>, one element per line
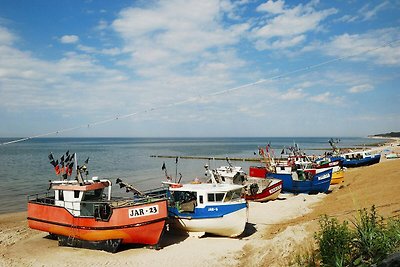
<point>80,214</point>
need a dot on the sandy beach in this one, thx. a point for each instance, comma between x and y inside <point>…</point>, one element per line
<point>275,231</point>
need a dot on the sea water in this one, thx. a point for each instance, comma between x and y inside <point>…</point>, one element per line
<point>25,167</point>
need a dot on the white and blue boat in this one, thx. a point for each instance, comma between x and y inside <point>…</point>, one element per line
<point>360,158</point>
<point>217,209</point>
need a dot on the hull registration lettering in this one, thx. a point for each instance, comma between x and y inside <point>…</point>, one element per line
<point>325,176</point>
<point>139,212</point>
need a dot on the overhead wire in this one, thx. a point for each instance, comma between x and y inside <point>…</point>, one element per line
<point>191,99</point>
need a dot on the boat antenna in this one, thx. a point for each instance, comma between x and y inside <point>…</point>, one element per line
<point>176,168</point>
<point>164,168</point>
<point>229,162</point>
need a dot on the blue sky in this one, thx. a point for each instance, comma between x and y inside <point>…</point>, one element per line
<point>167,64</point>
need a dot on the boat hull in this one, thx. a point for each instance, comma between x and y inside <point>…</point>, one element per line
<point>57,220</point>
<point>337,177</point>
<point>213,220</point>
<point>352,163</point>
<point>319,183</point>
<point>271,192</point>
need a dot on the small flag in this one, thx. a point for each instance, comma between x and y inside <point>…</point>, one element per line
<point>87,161</point>
<point>163,166</point>
<point>70,168</point>
<point>51,158</point>
<point>283,151</point>
<point>176,160</point>
<point>57,168</point>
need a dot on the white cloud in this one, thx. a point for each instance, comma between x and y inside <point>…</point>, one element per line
<point>69,39</point>
<point>181,48</point>
<point>273,7</point>
<point>366,47</point>
<point>6,37</point>
<point>31,84</point>
<point>361,88</point>
<point>288,28</point>
<point>293,94</point>
<point>323,98</point>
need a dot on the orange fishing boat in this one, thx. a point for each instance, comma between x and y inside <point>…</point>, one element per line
<point>80,214</point>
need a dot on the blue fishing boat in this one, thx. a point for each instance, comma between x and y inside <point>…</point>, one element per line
<point>353,158</point>
<point>360,158</point>
<point>301,181</point>
<point>208,208</point>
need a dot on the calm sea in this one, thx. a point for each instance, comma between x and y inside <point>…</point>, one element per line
<point>25,168</point>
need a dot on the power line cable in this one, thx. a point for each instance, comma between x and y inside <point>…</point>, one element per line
<point>191,99</point>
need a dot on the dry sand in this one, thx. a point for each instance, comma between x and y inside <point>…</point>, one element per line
<point>275,231</point>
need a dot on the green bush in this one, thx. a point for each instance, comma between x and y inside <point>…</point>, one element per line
<point>369,242</point>
<point>372,240</point>
<point>334,241</point>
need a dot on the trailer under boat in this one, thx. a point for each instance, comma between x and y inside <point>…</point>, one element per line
<point>79,213</point>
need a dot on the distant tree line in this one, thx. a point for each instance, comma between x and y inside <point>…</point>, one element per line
<point>391,134</point>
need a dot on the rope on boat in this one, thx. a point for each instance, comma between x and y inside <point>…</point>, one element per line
<point>192,99</point>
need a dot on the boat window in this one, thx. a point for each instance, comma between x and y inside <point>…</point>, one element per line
<point>185,201</point>
<point>60,195</point>
<point>233,195</point>
<point>219,197</point>
<point>76,193</point>
<point>215,197</point>
<point>282,168</point>
<point>93,195</point>
<point>201,199</point>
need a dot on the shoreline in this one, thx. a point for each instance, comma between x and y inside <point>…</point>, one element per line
<point>276,230</point>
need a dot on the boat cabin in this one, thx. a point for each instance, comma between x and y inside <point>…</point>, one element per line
<point>357,155</point>
<point>81,200</point>
<point>188,197</point>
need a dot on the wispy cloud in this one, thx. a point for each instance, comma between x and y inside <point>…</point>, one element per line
<point>293,94</point>
<point>361,88</point>
<point>354,44</point>
<point>69,39</point>
<point>365,13</point>
<point>289,26</point>
<point>322,98</point>
<point>368,13</point>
